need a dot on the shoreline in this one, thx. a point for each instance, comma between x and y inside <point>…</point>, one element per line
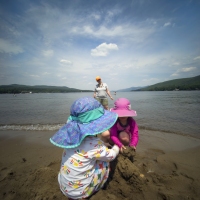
<point>56,127</point>
<point>165,166</point>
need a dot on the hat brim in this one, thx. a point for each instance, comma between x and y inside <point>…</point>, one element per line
<point>124,113</point>
<point>72,133</point>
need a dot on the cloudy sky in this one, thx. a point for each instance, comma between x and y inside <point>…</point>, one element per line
<point>128,43</point>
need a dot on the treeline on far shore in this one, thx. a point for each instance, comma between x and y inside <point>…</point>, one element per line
<point>177,84</point>
<point>17,89</point>
<point>172,88</point>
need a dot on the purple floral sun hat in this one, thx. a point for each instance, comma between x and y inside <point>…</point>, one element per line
<point>88,117</point>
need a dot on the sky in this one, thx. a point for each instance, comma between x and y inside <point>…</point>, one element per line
<point>128,43</point>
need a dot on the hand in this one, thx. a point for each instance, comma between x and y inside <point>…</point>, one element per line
<point>111,98</point>
<point>133,147</point>
<point>122,147</point>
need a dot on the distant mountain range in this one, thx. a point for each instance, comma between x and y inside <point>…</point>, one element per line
<point>176,84</point>
<point>129,89</point>
<point>14,88</point>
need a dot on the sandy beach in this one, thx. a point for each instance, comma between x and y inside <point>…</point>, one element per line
<point>165,166</point>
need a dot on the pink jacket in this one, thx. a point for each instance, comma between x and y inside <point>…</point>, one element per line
<point>134,137</point>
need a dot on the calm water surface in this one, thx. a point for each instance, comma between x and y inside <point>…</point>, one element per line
<point>170,111</point>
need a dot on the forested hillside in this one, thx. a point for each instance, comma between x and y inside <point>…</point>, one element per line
<point>37,89</point>
<point>177,84</point>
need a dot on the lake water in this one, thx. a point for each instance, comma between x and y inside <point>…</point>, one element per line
<point>169,111</point>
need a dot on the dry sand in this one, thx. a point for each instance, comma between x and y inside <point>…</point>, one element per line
<point>165,166</point>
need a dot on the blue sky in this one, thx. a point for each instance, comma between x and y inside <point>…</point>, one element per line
<point>70,42</point>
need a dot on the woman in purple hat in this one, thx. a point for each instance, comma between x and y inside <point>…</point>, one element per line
<point>125,130</point>
<point>85,159</point>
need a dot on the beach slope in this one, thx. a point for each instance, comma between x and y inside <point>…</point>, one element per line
<point>165,166</point>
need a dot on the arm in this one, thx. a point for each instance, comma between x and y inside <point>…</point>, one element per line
<point>108,154</point>
<point>114,136</point>
<point>108,92</point>
<point>99,151</point>
<point>134,134</point>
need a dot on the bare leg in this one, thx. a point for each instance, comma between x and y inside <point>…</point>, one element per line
<point>124,138</point>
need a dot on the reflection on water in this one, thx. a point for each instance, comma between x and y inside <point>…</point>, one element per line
<point>173,111</point>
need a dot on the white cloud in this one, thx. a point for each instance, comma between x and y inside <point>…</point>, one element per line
<point>188,69</point>
<point>95,16</point>
<point>8,47</point>
<point>35,76</point>
<point>145,62</point>
<point>67,62</point>
<point>175,74</point>
<point>176,63</point>
<point>103,49</point>
<point>46,73</point>
<point>48,53</point>
<point>90,83</point>
<point>114,74</point>
<point>135,33</point>
<point>196,58</point>
<point>167,24</point>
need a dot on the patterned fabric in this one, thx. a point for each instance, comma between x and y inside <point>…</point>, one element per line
<point>85,169</point>
<point>73,132</point>
<point>134,137</point>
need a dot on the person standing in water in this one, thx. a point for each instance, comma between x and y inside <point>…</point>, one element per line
<point>101,91</point>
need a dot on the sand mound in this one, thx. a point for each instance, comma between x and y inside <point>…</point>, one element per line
<point>134,179</point>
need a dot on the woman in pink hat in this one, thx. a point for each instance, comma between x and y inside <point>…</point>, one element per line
<point>125,130</point>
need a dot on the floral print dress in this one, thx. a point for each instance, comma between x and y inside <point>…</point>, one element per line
<point>85,169</point>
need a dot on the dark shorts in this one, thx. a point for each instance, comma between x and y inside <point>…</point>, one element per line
<point>103,102</point>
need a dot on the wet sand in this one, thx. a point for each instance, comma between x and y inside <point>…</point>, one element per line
<point>165,166</point>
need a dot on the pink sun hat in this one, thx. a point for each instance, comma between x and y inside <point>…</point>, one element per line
<point>122,107</point>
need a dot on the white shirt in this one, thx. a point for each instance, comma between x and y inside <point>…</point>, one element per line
<point>101,90</point>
